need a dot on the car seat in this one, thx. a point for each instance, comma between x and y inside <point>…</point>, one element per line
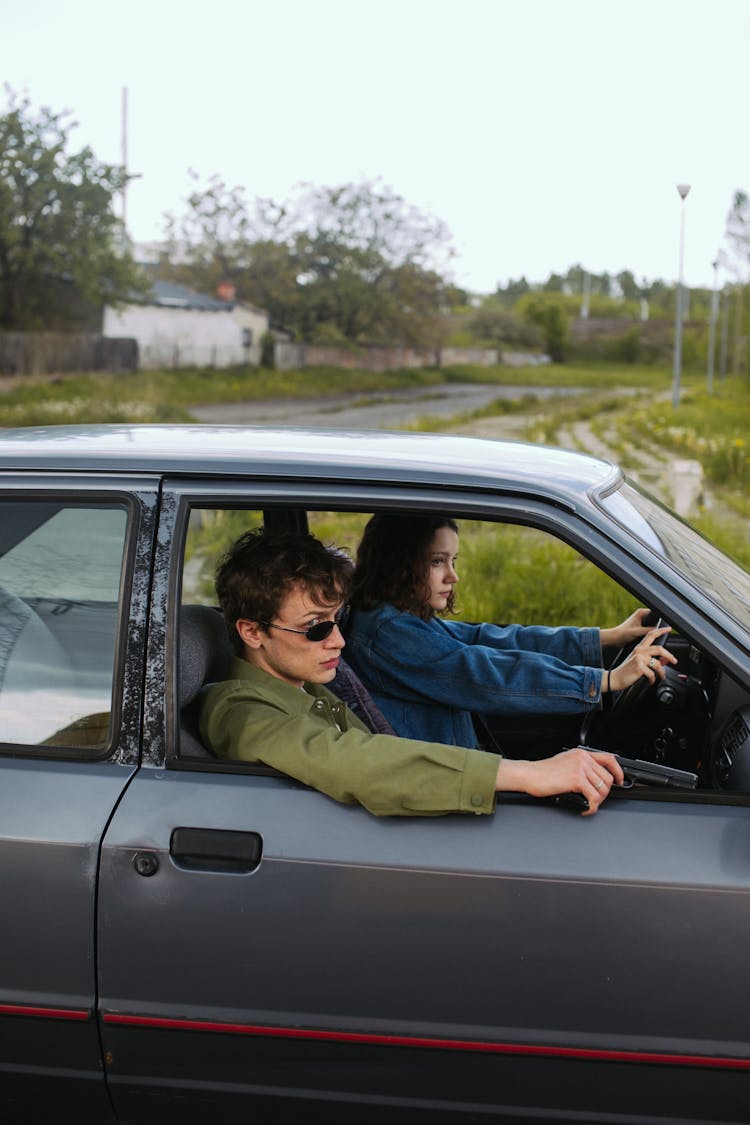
<point>205,656</point>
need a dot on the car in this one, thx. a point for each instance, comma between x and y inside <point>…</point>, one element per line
<point>188,939</point>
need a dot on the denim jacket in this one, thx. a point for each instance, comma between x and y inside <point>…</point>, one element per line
<point>427,676</point>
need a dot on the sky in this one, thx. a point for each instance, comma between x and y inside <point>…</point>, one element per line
<point>543,133</point>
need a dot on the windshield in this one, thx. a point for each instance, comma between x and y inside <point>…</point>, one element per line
<point>721,579</point>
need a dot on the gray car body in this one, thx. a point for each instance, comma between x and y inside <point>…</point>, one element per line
<point>532,965</point>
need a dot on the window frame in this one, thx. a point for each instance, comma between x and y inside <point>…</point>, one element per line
<point>616,556</point>
<point>138,498</point>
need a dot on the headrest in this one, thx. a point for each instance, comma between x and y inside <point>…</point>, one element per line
<point>204,650</point>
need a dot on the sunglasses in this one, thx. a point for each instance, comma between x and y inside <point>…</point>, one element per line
<point>317,632</point>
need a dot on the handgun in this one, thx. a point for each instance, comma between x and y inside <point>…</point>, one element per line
<point>636,772</point>
<point>652,773</point>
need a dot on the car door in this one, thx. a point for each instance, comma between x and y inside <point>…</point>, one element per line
<point>287,950</point>
<point>72,625</point>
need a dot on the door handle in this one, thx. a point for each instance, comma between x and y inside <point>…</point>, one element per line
<point>214,849</point>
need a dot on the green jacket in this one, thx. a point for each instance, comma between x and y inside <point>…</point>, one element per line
<point>312,736</point>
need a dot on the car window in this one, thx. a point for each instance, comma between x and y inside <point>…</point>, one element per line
<point>706,567</point>
<point>210,532</point>
<point>60,577</point>
<point>508,572</point>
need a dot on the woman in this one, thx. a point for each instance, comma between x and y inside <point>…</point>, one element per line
<point>427,674</point>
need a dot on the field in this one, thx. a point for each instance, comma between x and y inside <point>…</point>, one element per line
<point>626,414</point>
<point>166,396</point>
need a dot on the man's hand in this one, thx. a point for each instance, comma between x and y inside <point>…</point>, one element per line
<point>590,772</point>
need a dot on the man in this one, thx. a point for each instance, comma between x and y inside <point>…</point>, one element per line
<point>281,594</point>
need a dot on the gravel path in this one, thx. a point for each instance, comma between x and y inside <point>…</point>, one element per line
<point>369,411</point>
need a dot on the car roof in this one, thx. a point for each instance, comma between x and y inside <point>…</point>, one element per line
<point>373,455</point>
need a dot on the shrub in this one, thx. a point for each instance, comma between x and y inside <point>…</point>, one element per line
<point>267,351</point>
<point>549,314</point>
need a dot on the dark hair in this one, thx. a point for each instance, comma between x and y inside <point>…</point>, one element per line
<point>259,570</point>
<point>393,563</point>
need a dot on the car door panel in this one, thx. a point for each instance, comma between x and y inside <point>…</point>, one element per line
<point>533,964</point>
<point>52,816</point>
<point>444,962</point>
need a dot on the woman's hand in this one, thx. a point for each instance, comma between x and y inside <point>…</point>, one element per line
<point>647,659</point>
<point>590,772</point>
<point>629,630</point>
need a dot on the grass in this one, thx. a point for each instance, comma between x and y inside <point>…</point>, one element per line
<point>713,429</point>
<point>435,423</point>
<point>600,376</point>
<point>166,396</point>
<point>518,574</point>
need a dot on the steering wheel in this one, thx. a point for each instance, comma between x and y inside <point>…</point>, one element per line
<point>624,702</point>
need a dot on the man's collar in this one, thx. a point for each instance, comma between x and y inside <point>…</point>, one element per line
<point>272,687</point>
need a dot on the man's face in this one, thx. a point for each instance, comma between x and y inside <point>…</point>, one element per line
<point>290,656</point>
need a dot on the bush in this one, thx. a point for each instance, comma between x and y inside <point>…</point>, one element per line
<point>267,351</point>
<point>549,314</point>
<point>631,347</point>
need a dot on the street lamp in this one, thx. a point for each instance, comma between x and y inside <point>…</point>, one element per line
<point>712,329</point>
<point>682,190</point>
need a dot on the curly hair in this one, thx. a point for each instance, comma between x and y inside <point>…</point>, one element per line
<point>393,563</point>
<point>259,570</point>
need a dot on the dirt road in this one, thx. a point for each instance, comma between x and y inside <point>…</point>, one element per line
<point>368,412</point>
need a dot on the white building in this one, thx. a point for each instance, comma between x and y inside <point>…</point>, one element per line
<point>175,327</point>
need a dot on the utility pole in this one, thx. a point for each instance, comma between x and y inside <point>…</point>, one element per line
<point>682,190</point>
<point>712,329</point>
<point>585,295</point>
<point>124,161</point>
<point>724,338</point>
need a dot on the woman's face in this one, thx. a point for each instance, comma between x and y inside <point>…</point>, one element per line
<point>441,567</point>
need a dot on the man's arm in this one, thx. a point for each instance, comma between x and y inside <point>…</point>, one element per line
<point>389,776</point>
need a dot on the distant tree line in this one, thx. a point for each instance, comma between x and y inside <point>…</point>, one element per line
<point>349,264</point>
<point>522,312</point>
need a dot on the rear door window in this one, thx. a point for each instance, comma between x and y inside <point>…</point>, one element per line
<point>60,579</point>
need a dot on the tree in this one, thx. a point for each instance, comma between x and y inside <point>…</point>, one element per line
<point>549,314</point>
<point>61,245</point>
<point>738,238</point>
<point>354,262</point>
<point>513,290</point>
<point>737,232</point>
<point>495,324</point>
<point>555,283</point>
<point>209,243</point>
<point>630,288</point>
<point>221,236</point>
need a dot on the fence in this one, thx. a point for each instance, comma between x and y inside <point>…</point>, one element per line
<point>294,357</point>
<point>50,353</point>
<point>170,354</point>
